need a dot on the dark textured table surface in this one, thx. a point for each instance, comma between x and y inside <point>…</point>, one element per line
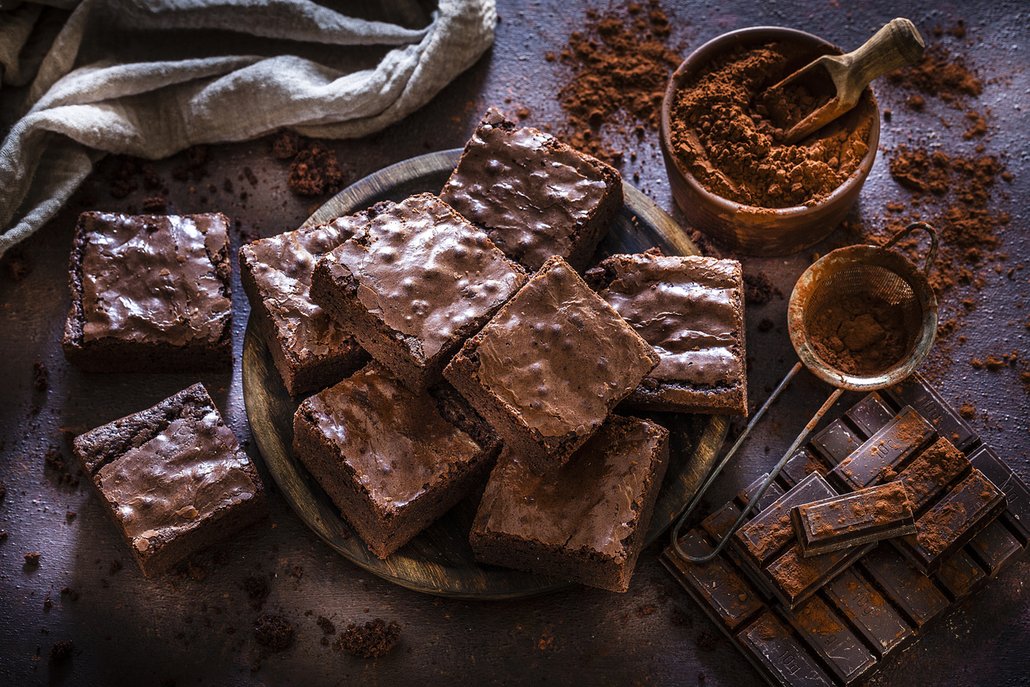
<point>195,628</point>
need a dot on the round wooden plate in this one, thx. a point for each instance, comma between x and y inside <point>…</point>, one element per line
<point>440,561</point>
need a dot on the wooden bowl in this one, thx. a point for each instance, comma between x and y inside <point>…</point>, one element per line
<point>745,228</point>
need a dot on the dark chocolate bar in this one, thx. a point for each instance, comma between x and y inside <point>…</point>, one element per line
<point>917,392</point>
<point>795,578</point>
<point>804,462</point>
<point>875,618</point>
<point>953,521</point>
<point>960,575</point>
<point>1017,495</point>
<point>930,473</point>
<point>770,531</point>
<point>724,590</point>
<point>995,546</point>
<point>826,632</point>
<point>912,591</point>
<point>835,442</point>
<point>771,646</point>
<point>869,415</point>
<point>867,515</point>
<point>907,434</point>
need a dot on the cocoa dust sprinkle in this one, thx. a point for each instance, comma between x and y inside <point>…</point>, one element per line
<point>371,640</point>
<point>620,64</point>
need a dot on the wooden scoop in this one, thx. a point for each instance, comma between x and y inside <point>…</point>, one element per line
<point>895,45</point>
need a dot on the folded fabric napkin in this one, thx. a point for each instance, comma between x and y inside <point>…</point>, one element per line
<point>153,77</point>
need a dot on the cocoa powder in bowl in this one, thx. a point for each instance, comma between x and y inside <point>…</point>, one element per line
<point>725,132</point>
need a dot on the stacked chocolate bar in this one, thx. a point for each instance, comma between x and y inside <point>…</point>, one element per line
<point>484,336</point>
<point>900,463</point>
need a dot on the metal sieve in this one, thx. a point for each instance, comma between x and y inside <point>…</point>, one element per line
<point>863,271</point>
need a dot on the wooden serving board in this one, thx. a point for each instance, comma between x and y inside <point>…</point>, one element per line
<point>440,561</point>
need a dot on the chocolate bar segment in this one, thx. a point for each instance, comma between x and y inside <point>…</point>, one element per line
<point>994,546</point>
<point>1017,495</point>
<point>867,515</point>
<point>930,472</point>
<point>771,646</point>
<point>721,587</point>
<point>804,462</point>
<point>770,531</point>
<point>831,638</point>
<point>864,606</point>
<point>795,578</point>
<point>953,521</point>
<point>917,392</point>
<point>768,498</point>
<point>960,575</point>
<point>869,415</point>
<point>907,588</point>
<point>904,436</point>
<point>835,442</point>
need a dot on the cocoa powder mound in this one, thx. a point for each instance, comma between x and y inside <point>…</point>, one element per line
<point>859,334</point>
<point>620,65</point>
<point>726,135</point>
<point>940,74</point>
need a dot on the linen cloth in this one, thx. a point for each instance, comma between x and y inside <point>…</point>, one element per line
<point>152,77</point>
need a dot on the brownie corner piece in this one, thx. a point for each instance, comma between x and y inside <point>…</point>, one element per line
<point>413,284</point>
<point>549,367</point>
<point>172,477</point>
<point>585,521</point>
<point>498,186</point>
<point>691,310</point>
<point>391,459</point>
<point>309,348</point>
<point>149,293</point>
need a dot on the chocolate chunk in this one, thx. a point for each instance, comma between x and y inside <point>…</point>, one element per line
<point>869,612</point>
<point>833,640</point>
<point>772,647</point>
<point>995,546</point>
<point>905,435</point>
<point>802,463</point>
<point>835,442</point>
<point>953,520</point>
<point>1017,495</point>
<point>867,515</point>
<point>907,588</point>
<point>770,531</point>
<point>869,415</point>
<point>917,392</point>
<point>720,585</point>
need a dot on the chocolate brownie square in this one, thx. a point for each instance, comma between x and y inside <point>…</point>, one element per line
<point>391,459</point>
<point>150,293</point>
<point>550,366</point>
<point>310,349</point>
<point>413,284</point>
<point>172,477</point>
<point>585,521</point>
<point>534,195</point>
<point>691,310</point>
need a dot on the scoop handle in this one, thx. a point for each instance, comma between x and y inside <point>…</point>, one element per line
<point>896,44</point>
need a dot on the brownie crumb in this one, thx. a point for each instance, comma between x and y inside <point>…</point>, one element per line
<point>62,651</point>
<point>759,289</point>
<point>273,632</point>
<point>32,559</point>
<point>327,625</point>
<point>371,640</point>
<point>286,145</point>
<point>54,462</point>
<point>257,591</point>
<point>315,171</point>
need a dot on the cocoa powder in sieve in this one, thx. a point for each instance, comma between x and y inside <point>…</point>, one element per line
<point>723,132</point>
<point>859,334</point>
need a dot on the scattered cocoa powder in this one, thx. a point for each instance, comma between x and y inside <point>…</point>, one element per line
<point>371,640</point>
<point>859,334</point>
<point>620,65</point>
<point>724,134</point>
<point>940,74</point>
<point>967,410</point>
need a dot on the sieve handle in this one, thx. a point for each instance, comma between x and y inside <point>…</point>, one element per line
<point>932,256</point>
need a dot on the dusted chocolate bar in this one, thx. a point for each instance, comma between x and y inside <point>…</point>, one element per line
<point>867,515</point>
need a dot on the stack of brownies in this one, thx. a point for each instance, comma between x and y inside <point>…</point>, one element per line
<point>470,347</point>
